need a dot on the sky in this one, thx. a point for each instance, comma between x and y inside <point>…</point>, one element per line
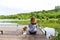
<point>8,7</point>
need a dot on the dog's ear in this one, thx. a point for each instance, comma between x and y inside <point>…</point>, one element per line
<point>24,28</point>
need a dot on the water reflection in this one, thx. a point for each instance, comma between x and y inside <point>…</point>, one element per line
<point>10,25</point>
<point>50,32</point>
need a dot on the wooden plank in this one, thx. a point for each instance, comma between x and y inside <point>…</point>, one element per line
<point>39,36</point>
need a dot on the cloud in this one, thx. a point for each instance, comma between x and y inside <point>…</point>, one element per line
<point>16,6</point>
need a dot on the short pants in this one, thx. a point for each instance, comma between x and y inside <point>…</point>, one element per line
<point>33,32</point>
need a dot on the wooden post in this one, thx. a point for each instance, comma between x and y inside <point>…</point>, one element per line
<point>2,32</point>
<point>45,33</point>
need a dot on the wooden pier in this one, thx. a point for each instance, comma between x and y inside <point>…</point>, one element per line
<point>12,36</point>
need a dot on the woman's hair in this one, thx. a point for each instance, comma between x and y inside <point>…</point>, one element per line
<point>33,20</point>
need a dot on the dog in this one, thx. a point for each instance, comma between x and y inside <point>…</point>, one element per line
<point>24,30</point>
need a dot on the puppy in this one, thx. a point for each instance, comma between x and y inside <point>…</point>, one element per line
<point>24,30</point>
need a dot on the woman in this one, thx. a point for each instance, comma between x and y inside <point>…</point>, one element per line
<point>32,26</point>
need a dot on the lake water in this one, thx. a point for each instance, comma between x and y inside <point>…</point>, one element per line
<point>50,31</point>
<point>8,23</point>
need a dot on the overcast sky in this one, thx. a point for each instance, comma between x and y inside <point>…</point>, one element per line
<point>8,7</point>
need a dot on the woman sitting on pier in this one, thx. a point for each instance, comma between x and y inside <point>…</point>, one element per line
<point>32,27</point>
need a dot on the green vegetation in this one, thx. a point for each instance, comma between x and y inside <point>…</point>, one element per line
<point>50,14</point>
<point>50,18</point>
